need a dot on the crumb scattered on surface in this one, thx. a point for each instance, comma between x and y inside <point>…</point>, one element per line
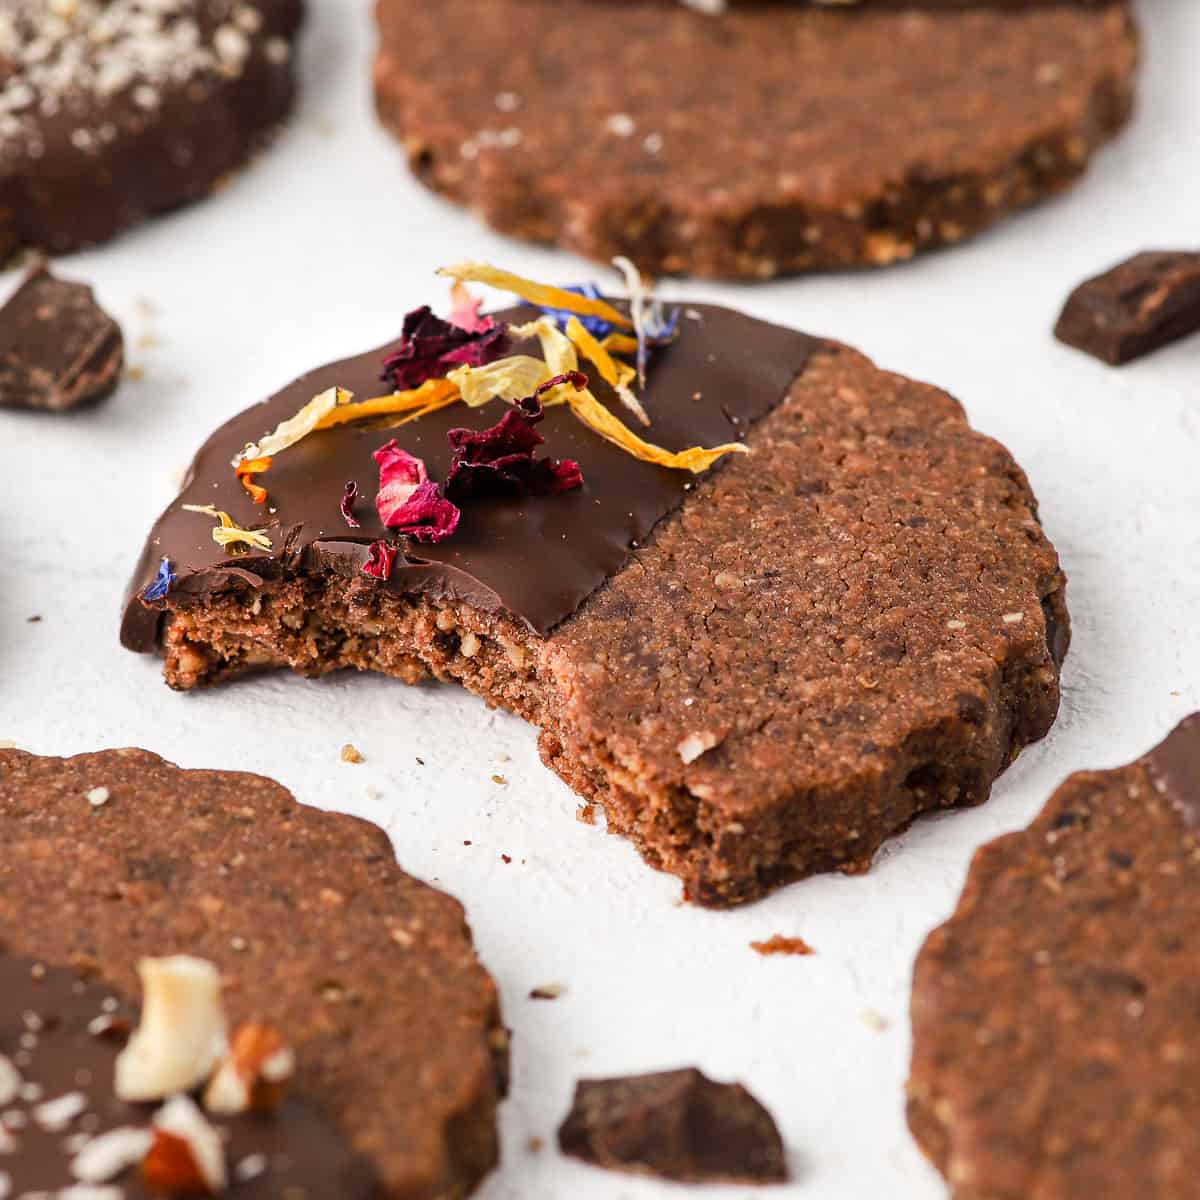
<point>506,858</point>
<point>534,1145</point>
<point>500,780</point>
<point>373,793</point>
<point>420,762</point>
<point>585,814</point>
<point>350,754</point>
<point>779,944</point>
<point>547,991</point>
<point>137,373</point>
<point>873,1020</point>
<point>33,620</point>
<point>502,757</point>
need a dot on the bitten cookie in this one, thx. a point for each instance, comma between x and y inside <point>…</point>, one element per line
<point>759,672</point>
<point>1055,1016</point>
<point>781,139</point>
<point>370,975</point>
<point>111,110</point>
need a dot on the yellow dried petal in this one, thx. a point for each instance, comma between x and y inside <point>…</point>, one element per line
<point>296,428</point>
<point>510,379</point>
<point>540,294</point>
<point>620,343</point>
<point>617,375</point>
<point>558,351</point>
<point>598,418</point>
<point>433,392</point>
<point>227,533</point>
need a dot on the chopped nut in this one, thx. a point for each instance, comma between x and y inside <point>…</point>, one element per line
<point>252,1076</point>
<point>351,754</point>
<point>696,744</point>
<point>187,1156</point>
<point>107,1156</point>
<point>547,991</point>
<point>98,797</point>
<point>1013,618</point>
<point>10,1081</point>
<point>470,645</point>
<point>55,1115</point>
<point>181,1037</point>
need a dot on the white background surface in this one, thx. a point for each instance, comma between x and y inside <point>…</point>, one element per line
<point>317,252</point>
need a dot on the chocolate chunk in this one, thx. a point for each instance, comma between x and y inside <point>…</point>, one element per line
<point>700,169</point>
<point>58,348</point>
<point>1140,305</point>
<point>114,111</point>
<point>1055,1016</point>
<point>678,1125</point>
<point>52,1023</point>
<point>368,973</point>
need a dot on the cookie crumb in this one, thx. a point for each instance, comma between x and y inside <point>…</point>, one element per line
<point>547,991</point>
<point>350,754</point>
<point>534,1145</point>
<point>98,797</point>
<point>506,858</point>
<point>873,1020</point>
<point>585,814</point>
<point>778,944</point>
<point>499,779</point>
<point>33,620</point>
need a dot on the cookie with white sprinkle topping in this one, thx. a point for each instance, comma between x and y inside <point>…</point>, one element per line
<point>112,110</point>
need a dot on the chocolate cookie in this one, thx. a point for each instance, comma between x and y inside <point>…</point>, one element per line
<point>111,110</point>
<point>782,138</point>
<point>58,348</point>
<point>759,673</point>
<point>1055,1016</point>
<point>369,973</point>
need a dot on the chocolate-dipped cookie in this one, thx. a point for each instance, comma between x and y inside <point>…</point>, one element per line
<point>759,671</point>
<point>783,138</point>
<point>111,110</point>
<point>369,975</point>
<point>1055,1015</point>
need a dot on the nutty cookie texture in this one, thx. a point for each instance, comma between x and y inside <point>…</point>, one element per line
<point>395,1024</point>
<point>111,110</point>
<point>782,139</point>
<point>1055,1016</point>
<point>759,674</point>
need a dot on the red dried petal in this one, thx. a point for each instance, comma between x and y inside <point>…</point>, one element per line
<point>400,474</point>
<point>429,348</point>
<point>349,496</point>
<point>426,515</point>
<point>379,562</point>
<point>464,310</point>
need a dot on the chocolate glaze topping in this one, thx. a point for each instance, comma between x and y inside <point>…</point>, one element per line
<point>44,1020</point>
<point>536,559</point>
<point>1174,768</point>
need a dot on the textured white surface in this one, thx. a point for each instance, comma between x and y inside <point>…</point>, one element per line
<point>317,252</point>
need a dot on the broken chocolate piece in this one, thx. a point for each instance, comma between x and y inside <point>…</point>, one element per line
<point>1139,306</point>
<point>678,1125</point>
<point>58,348</point>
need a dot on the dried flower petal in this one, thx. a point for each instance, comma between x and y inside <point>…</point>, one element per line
<point>289,432</point>
<point>596,326</point>
<point>464,310</point>
<point>162,582</point>
<point>499,460</point>
<point>349,496</point>
<point>650,325</point>
<point>379,562</point>
<point>227,533</point>
<point>539,294</point>
<point>245,472</point>
<point>617,375</point>
<point>509,379</point>
<point>408,501</point>
<point>430,396</point>
<point>429,347</point>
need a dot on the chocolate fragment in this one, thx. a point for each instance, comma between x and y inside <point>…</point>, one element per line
<point>112,111</point>
<point>58,348</point>
<point>55,1023</point>
<point>1055,1015</point>
<point>316,931</point>
<point>783,139</point>
<point>1139,306</point>
<point>677,1125</point>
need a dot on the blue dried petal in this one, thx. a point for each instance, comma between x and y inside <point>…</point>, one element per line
<point>598,327</point>
<point>162,582</point>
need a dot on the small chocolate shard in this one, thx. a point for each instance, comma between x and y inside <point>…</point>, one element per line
<point>677,1125</point>
<point>1174,768</point>
<point>58,348</point>
<point>1139,306</point>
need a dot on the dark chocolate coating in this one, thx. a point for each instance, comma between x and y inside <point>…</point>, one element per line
<point>58,348</point>
<point>302,1148</point>
<point>1174,768</point>
<point>1139,306</point>
<point>152,115</point>
<point>537,559</point>
<point>677,1125</point>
